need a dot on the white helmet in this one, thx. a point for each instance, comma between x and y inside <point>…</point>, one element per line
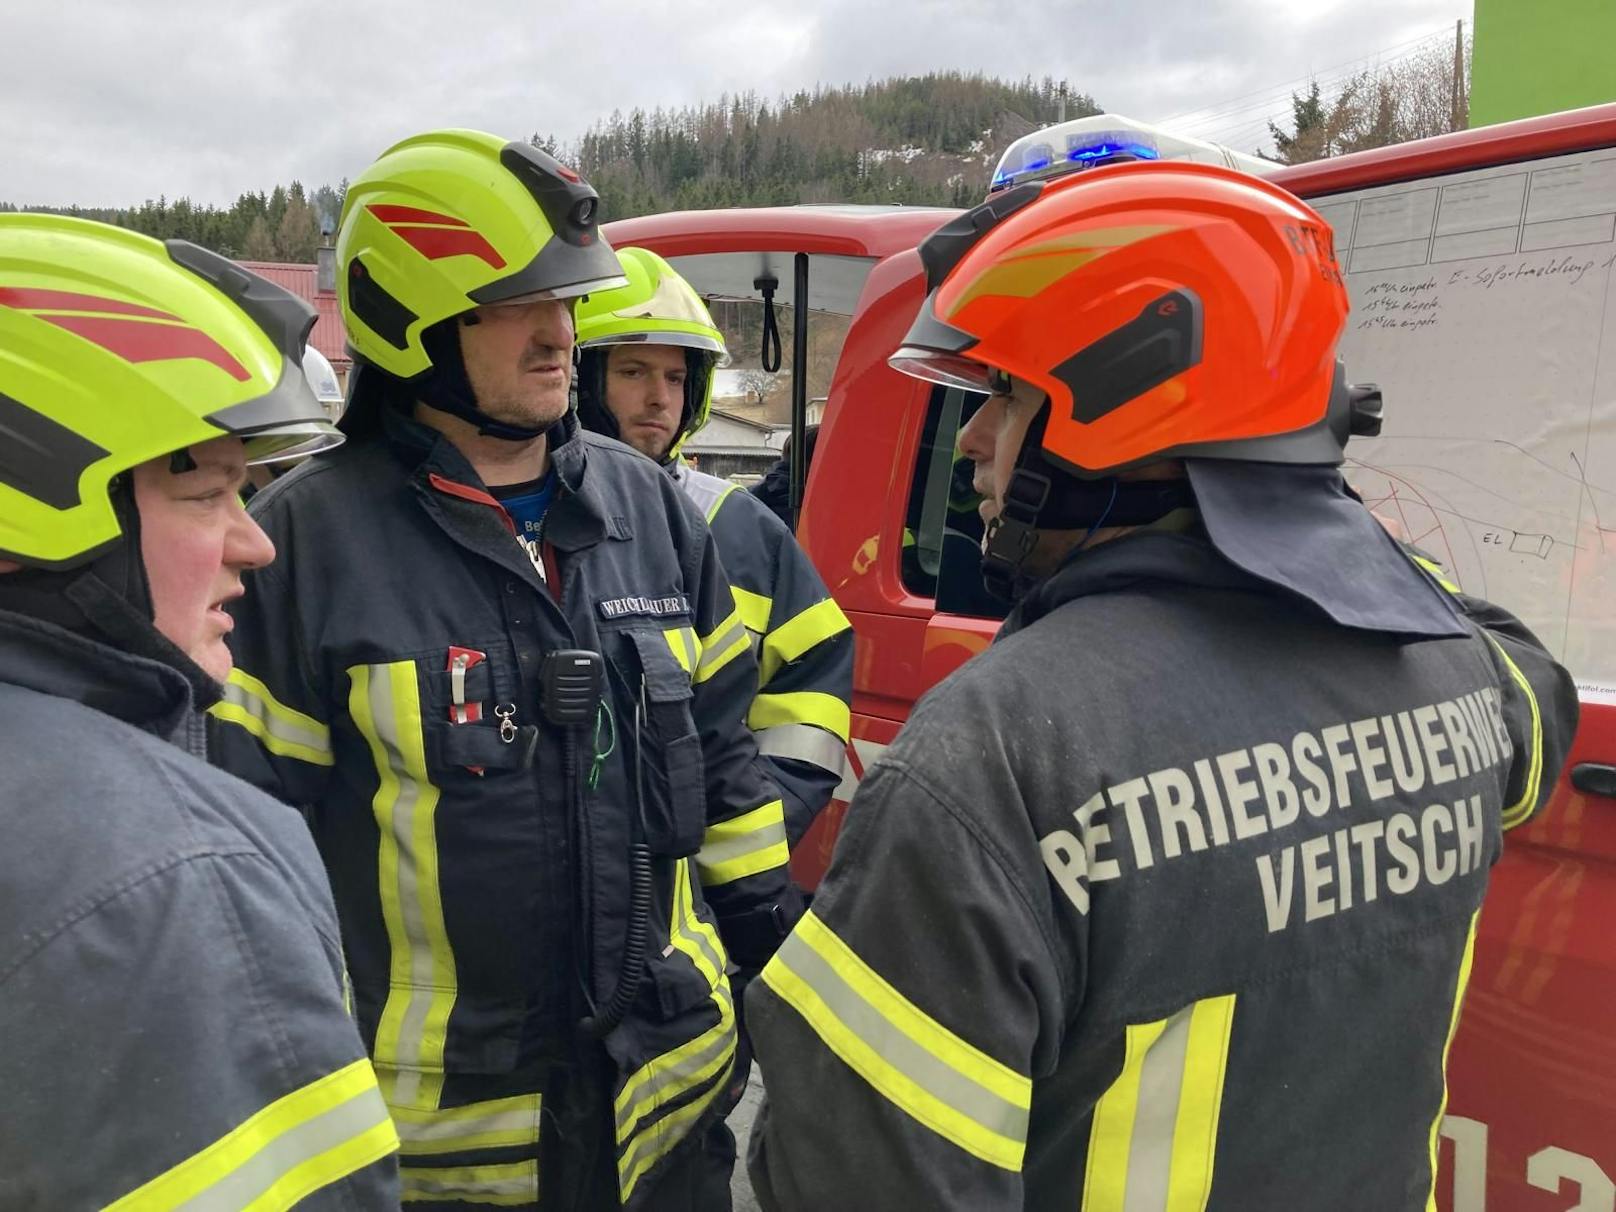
<point>317,369</point>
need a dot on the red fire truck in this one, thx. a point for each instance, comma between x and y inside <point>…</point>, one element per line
<point>1482,266</point>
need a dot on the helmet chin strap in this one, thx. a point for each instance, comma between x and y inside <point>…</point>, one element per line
<point>1042,496</point>
<point>447,387</point>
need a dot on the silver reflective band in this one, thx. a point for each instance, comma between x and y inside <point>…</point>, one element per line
<point>716,650</point>
<point>274,724</point>
<point>935,1076</point>
<point>1161,1084</point>
<point>684,1074</point>
<point>254,1177</point>
<point>514,1182</point>
<point>723,849</point>
<point>805,743</point>
<point>454,1125</point>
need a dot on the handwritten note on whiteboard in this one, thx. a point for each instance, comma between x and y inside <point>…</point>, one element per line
<point>1484,304</point>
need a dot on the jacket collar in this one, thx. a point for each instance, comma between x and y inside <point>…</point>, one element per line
<point>51,660</point>
<point>576,518</point>
<point>1190,559</point>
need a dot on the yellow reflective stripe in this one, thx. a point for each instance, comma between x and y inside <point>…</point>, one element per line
<point>1105,1185</point>
<point>653,1144</point>
<point>682,643</point>
<point>694,937</point>
<point>725,642</point>
<point>908,1057</point>
<point>712,510</point>
<point>489,1125</point>
<point>798,636</point>
<point>800,707</point>
<point>754,609</point>
<point>1200,1103</point>
<point>1453,1026</point>
<point>505,1184</point>
<point>697,941</point>
<point>744,845</point>
<point>679,1070</point>
<point>709,1057</point>
<point>1519,812</point>
<point>1154,1134</point>
<point>298,1144</point>
<point>280,729</point>
<point>386,708</point>
<point>1438,573</point>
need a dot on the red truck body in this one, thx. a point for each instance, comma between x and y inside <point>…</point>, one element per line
<point>1531,1121</point>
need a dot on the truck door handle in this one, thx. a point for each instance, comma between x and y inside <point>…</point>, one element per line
<point>1594,778</point>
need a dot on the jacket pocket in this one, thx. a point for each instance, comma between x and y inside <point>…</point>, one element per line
<point>674,799</point>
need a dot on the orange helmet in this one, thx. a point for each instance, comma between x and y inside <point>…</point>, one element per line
<point>1166,309</point>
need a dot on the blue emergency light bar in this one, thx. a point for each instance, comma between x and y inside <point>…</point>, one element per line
<point>1034,156</point>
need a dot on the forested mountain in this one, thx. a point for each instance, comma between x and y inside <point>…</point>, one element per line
<point>926,139</point>
<point>922,140</point>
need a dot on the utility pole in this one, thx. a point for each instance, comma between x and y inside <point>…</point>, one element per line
<point>1457,119</point>
<point>1063,101</point>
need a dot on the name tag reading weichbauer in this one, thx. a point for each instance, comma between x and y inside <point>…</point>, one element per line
<point>656,608</point>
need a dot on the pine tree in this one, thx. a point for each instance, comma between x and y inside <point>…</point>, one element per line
<point>259,243</point>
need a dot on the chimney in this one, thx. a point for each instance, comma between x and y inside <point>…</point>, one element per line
<point>325,270</point>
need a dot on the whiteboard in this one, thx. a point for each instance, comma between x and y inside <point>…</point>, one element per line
<point>1482,305</point>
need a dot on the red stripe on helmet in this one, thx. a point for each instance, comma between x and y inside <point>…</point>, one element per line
<point>26,298</point>
<point>138,341</point>
<point>409,214</point>
<point>436,243</point>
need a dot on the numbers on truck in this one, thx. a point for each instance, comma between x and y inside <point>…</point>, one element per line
<point>1553,1169</point>
<point>1550,1169</point>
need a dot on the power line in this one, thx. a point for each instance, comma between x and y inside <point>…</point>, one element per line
<point>1281,96</point>
<point>1268,90</point>
<point>1233,128</point>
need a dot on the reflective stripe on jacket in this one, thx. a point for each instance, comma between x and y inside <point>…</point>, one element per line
<point>1166,901</point>
<point>390,669</point>
<point>171,988</point>
<point>803,642</point>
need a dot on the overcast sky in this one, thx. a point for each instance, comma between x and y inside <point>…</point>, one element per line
<point>109,102</point>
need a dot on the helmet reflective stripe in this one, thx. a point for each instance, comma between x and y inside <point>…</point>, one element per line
<point>116,349</point>
<point>452,220</point>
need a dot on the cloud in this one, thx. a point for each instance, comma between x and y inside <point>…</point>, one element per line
<point>104,102</point>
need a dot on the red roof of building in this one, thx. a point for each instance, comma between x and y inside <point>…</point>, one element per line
<point>329,335</point>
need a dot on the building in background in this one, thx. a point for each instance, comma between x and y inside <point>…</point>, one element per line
<point>318,285</point>
<point>733,446</point>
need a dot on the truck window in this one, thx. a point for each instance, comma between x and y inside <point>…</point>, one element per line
<point>942,545</point>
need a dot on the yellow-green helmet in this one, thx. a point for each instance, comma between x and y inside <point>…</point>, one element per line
<point>116,349</point>
<point>451,220</point>
<point>656,307</point>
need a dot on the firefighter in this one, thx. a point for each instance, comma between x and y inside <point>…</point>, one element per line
<point>1168,899</point>
<point>645,375</point>
<point>322,378</point>
<point>171,984</point>
<point>774,489</point>
<point>501,671</point>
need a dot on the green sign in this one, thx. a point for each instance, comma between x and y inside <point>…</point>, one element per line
<point>1540,56</point>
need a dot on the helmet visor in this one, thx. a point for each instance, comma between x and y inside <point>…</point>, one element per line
<point>295,440</point>
<point>950,370</point>
<point>685,340</point>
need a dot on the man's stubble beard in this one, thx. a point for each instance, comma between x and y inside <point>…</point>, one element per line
<point>535,408</point>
